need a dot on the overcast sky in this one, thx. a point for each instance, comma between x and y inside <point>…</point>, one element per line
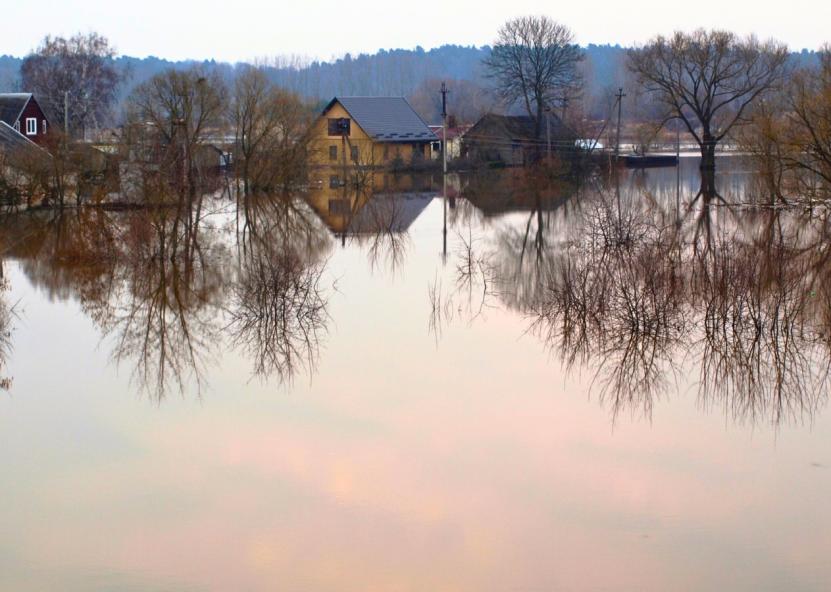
<point>234,30</point>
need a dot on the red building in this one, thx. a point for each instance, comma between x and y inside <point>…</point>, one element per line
<point>22,112</point>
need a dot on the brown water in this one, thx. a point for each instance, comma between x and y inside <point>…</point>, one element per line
<point>586,389</point>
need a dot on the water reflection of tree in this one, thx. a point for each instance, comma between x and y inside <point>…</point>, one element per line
<point>161,283</point>
<point>748,302</point>
<point>379,224</point>
<point>612,300</point>
<point>278,312</point>
<point>163,319</point>
<point>473,288</point>
<point>6,314</point>
<point>764,350</point>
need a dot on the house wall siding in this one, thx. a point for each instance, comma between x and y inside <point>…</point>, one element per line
<point>32,109</point>
<point>370,152</point>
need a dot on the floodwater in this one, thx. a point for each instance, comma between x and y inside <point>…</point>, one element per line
<point>621,385</point>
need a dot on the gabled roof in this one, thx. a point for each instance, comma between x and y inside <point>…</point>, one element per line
<point>12,105</point>
<point>387,119</point>
<point>515,127</point>
<point>11,139</point>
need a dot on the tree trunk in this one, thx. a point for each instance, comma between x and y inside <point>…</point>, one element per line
<point>708,152</point>
<point>708,185</point>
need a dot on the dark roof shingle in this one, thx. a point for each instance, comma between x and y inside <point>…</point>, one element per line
<point>11,106</point>
<point>388,119</point>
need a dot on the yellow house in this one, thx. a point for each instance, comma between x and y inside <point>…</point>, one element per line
<point>365,133</point>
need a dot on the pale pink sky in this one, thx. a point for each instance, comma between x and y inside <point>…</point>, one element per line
<point>246,29</point>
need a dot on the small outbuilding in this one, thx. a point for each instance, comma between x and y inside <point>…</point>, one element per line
<point>511,140</point>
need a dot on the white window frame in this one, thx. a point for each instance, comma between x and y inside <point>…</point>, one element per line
<point>31,126</point>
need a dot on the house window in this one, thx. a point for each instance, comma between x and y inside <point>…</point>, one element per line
<point>340,126</point>
<point>333,152</point>
<point>31,126</point>
<point>334,182</point>
<point>354,153</point>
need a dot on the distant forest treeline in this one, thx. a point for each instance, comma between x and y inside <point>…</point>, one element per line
<point>414,74</point>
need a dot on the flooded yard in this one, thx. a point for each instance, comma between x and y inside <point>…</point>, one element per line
<point>493,383</point>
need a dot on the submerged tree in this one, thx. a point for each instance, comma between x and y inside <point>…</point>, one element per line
<point>707,79</point>
<point>534,62</point>
<point>790,135</point>
<point>74,76</point>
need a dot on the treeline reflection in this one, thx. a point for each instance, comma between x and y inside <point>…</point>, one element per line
<point>645,286</point>
<point>651,281</point>
<point>165,285</point>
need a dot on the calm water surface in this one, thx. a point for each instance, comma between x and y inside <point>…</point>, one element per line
<point>616,386</point>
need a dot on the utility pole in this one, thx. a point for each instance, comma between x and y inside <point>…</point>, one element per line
<point>620,96</point>
<point>444,92</point>
<point>66,112</point>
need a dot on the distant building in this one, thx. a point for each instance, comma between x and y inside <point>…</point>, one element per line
<point>22,112</point>
<point>511,140</point>
<point>454,140</point>
<point>370,132</point>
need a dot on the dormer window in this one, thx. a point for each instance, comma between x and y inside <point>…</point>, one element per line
<point>31,126</point>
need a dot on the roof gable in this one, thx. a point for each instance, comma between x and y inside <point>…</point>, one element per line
<point>387,119</point>
<point>12,105</point>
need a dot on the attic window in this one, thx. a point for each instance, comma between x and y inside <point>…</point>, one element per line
<point>31,126</point>
<point>340,126</point>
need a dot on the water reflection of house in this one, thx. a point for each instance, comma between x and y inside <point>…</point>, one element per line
<point>496,192</point>
<point>369,210</point>
<point>368,132</point>
<point>512,140</point>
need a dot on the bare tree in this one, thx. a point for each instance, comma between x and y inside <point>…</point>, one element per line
<point>707,79</point>
<point>271,127</point>
<point>467,103</point>
<point>75,75</point>
<point>175,112</point>
<point>534,62</point>
<point>790,135</point>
